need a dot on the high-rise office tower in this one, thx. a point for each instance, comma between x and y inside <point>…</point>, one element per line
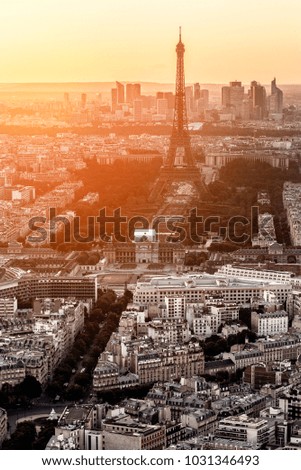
<point>137,110</point>
<point>166,95</point>
<point>66,101</point>
<point>189,99</point>
<point>275,100</point>
<point>258,100</point>
<point>226,97</point>
<point>204,99</point>
<point>196,91</point>
<point>232,98</point>
<point>129,93</point>
<point>117,96</point>
<point>120,92</point>
<point>137,90</point>
<point>133,92</point>
<point>162,106</point>
<point>83,100</point>
<point>200,98</point>
<point>114,99</point>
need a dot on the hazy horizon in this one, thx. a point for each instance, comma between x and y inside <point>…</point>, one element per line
<point>151,82</point>
<point>57,41</point>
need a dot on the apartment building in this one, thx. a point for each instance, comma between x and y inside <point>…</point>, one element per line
<point>202,422</point>
<point>248,273</point>
<point>29,287</point>
<point>280,348</point>
<point>175,332</point>
<point>256,431</point>
<point>8,307</point>
<point>290,402</point>
<point>12,371</point>
<point>196,287</point>
<point>168,363</point>
<point>37,346</point>
<point>269,323</point>
<point>122,432</point>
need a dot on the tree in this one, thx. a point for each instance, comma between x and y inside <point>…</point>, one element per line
<point>54,388</point>
<point>92,328</point>
<point>22,438</point>
<point>210,348</point>
<point>190,260</point>
<point>75,392</point>
<point>97,315</point>
<point>95,350</point>
<point>83,258</point>
<point>80,346</point>
<point>245,316</point>
<point>90,343</point>
<point>63,370</point>
<point>70,361</point>
<point>89,362</point>
<point>93,258</point>
<point>46,432</point>
<point>82,378</point>
<point>128,295</point>
<point>30,387</point>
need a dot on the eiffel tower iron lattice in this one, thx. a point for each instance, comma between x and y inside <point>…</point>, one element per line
<point>179,150</point>
<point>179,164</point>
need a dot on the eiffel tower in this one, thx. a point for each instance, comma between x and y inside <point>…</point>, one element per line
<point>179,165</point>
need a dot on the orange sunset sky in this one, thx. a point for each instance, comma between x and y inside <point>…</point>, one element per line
<point>134,40</point>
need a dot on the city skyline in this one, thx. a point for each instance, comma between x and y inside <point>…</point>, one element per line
<point>63,41</point>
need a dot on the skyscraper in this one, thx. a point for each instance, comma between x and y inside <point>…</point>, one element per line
<point>162,106</point>
<point>114,99</point>
<point>196,91</point>
<point>258,100</point>
<point>83,100</point>
<point>167,95</point>
<point>137,110</point>
<point>189,99</point>
<point>66,101</point>
<point>275,100</point>
<point>200,99</point>
<point>203,102</point>
<point>133,92</point>
<point>232,98</point>
<point>117,95</point>
<point>120,93</point>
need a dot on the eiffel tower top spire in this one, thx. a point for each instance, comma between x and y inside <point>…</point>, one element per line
<point>180,49</point>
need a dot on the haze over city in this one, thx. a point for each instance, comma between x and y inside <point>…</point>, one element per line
<point>64,40</point>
